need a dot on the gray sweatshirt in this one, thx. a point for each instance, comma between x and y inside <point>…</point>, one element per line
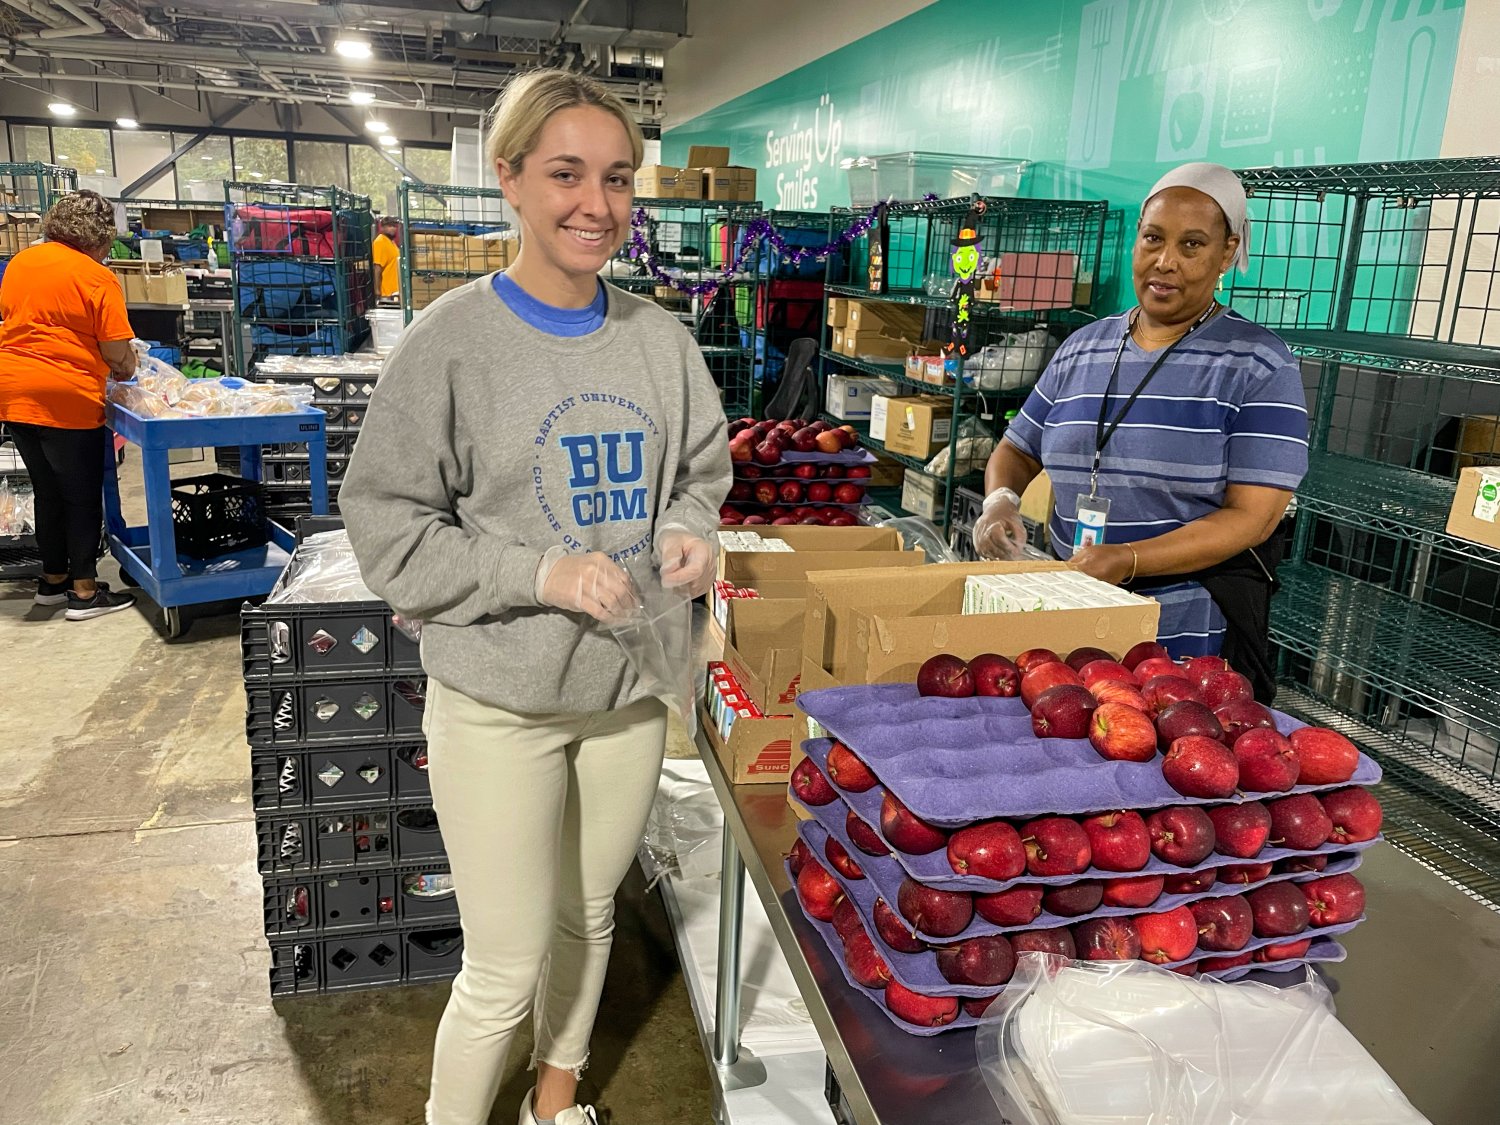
<point>488,441</point>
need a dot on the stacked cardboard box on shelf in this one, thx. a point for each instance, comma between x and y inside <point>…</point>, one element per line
<point>879,330</point>
<point>151,283</point>
<point>18,229</point>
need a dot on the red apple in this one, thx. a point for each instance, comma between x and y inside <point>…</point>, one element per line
<point>1171,935</point>
<point>1354,814</point>
<point>859,472</point>
<point>1240,831</point>
<point>1034,656</point>
<point>768,453</point>
<point>994,675</point>
<point>1113,691</point>
<point>1073,900</point>
<point>906,831</point>
<point>1045,677</point>
<point>805,472</point>
<point>1107,939</point>
<point>1180,834</point>
<point>933,911</point>
<point>863,836</point>
<point>819,492</point>
<point>766,491</point>
<point>849,493</point>
<point>846,921</point>
<point>1240,715</point>
<point>842,863</point>
<point>1284,950</point>
<point>828,442</point>
<point>1133,890</point>
<point>1153,666</point>
<point>730,518</point>
<point>1189,882</point>
<point>811,521</point>
<point>841,519</point>
<point>756,520</point>
<point>1279,910</point>
<point>913,1007</point>
<point>1058,940</point>
<point>847,770</point>
<point>741,490</point>
<point>1196,766</point>
<point>1097,670</point>
<point>1334,899</point>
<point>741,451</point>
<point>799,855</point>
<point>1118,841</point>
<point>1120,733</point>
<point>1224,923</point>
<point>1199,668</point>
<point>1161,692</point>
<point>1220,687</point>
<point>1299,822</point>
<point>805,440</point>
<point>818,891</point>
<point>991,848</point>
<point>1086,655</point>
<point>978,1005</point>
<point>784,521</point>
<point>945,675</point>
<point>866,965</point>
<point>1182,719</point>
<point>1327,757</point>
<point>749,472</point>
<point>1055,845</point>
<point>1296,864</point>
<point>1268,764</point>
<point>1145,650</point>
<point>1244,874</point>
<point>981,961</point>
<point>1062,712</point>
<point>894,931</point>
<point>1015,906</point>
<point>1218,964</point>
<point>810,785</point>
<point>790,492</point>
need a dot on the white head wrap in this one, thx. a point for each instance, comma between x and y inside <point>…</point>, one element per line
<point>1224,188</point>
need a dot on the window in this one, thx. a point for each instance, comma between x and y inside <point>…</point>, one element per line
<point>370,173</point>
<point>136,153</point>
<point>202,170</point>
<point>87,150</point>
<point>259,159</point>
<point>430,165</point>
<point>321,163</point>
<point>29,143</point>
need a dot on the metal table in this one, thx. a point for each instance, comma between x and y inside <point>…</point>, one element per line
<point>1421,988</point>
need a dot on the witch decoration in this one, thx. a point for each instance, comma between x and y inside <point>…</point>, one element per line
<point>966,267</point>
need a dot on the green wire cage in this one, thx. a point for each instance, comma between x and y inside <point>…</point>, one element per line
<point>449,235</point>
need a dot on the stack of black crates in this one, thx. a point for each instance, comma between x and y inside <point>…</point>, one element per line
<point>357,892</point>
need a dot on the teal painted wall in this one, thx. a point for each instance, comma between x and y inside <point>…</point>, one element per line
<point>1103,95</point>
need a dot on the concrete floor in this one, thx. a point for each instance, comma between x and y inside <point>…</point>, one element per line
<point>133,977</point>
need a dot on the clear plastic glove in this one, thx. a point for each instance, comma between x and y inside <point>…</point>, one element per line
<point>593,584</point>
<point>685,561</point>
<point>999,532</point>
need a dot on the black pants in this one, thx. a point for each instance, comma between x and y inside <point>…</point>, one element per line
<point>67,480</point>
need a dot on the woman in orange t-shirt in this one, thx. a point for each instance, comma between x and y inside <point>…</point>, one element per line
<point>63,332</point>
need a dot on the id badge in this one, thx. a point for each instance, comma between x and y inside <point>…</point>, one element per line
<point>1093,518</point>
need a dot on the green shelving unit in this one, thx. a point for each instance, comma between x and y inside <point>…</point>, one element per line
<point>445,229</point>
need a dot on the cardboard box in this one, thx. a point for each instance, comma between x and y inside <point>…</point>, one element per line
<point>848,396</point>
<point>426,288</point>
<point>1479,440</point>
<point>758,751</point>
<point>181,220</point>
<point>879,626</point>
<point>703,156</point>
<point>887,472</point>
<point>146,283</point>
<point>1475,514</point>
<point>662,181</point>
<point>838,312</point>
<point>18,230</point>
<point>485,255</point>
<point>758,569</point>
<point>1037,500</point>
<point>876,346</point>
<point>887,318</point>
<point>729,183</point>
<point>437,250</point>
<point>880,411</point>
<point>836,341</point>
<point>763,648</point>
<point>923,495</point>
<point>918,426</point>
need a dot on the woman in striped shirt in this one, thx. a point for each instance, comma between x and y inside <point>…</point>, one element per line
<point>1174,435</point>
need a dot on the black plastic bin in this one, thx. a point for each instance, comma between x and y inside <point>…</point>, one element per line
<point>218,514</point>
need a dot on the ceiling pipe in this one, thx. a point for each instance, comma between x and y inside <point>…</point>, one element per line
<point>87,25</point>
<point>130,21</point>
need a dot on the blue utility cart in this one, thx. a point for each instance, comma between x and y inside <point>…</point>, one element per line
<point>148,555</point>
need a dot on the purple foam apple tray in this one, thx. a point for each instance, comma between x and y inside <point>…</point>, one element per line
<point>956,761</point>
<point>934,869</point>
<point>855,456</point>
<point>919,971</point>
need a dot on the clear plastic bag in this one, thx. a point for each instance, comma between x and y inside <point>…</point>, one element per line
<point>683,831</point>
<point>919,532</point>
<point>658,641</point>
<point>974,449</point>
<point>322,569</point>
<point>1011,363</point>
<point>1128,1043</point>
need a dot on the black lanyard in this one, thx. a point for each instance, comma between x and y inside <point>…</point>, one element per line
<point>1103,434</point>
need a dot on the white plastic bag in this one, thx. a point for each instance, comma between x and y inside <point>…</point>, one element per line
<point>1128,1043</point>
<point>1012,363</point>
<point>658,640</point>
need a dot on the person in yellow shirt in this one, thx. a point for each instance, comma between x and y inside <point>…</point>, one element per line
<point>388,258</point>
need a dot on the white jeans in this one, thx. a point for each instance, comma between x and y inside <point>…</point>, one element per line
<point>541,815</point>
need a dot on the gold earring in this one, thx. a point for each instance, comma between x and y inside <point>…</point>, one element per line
<point>1221,283</point>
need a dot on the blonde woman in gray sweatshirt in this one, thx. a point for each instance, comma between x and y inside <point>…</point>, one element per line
<point>533,431</point>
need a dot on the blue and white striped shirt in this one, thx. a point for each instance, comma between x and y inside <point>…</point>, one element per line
<point>1227,407</point>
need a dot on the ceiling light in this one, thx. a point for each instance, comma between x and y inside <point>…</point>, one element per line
<point>352,48</point>
<point>377,127</point>
<point>127,123</point>
<point>361,97</point>
<point>61,109</point>
<point>62,156</point>
<point>388,141</point>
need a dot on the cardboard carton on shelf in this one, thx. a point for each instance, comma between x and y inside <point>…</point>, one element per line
<point>437,250</point>
<point>428,288</point>
<point>721,179</point>
<point>887,472</point>
<point>918,426</point>
<point>485,254</point>
<point>878,346</point>
<point>1475,514</point>
<point>151,283</point>
<point>838,312</point>
<point>886,317</point>
<point>1479,440</point>
<point>18,230</point>
<point>847,397</point>
<point>923,495</point>
<point>663,181</point>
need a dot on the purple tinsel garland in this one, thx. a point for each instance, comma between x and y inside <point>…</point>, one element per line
<point>755,230</point>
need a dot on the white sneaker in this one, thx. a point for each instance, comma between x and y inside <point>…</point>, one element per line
<point>573,1115</point>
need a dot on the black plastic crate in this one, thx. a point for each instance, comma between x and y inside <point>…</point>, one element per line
<point>376,836</point>
<point>337,777</point>
<point>328,710</point>
<point>285,642</point>
<point>338,445</point>
<point>285,469</point>
<point>342,389</point>
<point>967,506</point>
<point>359,900</point>
<point>351,961</point>
<point>342,418</point>
<point>217,514</point>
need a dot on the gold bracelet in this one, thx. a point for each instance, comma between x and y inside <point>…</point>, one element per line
<point>1135,562</point>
